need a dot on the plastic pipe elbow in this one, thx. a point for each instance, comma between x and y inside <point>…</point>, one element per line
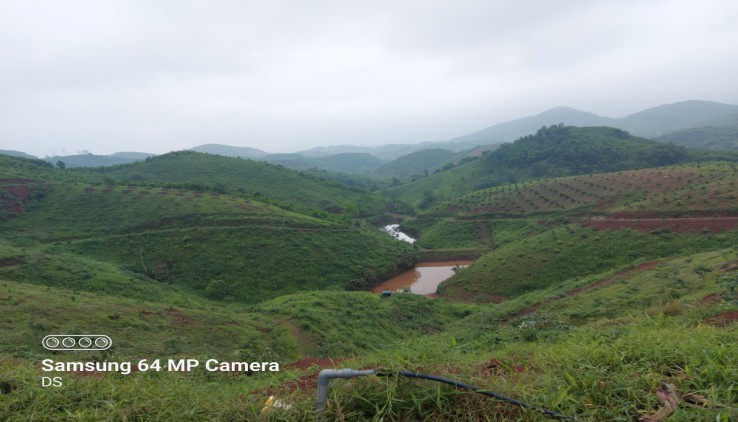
<point>325,376</point>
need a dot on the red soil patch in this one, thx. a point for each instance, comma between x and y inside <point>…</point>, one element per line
<point>686,214</point>
<point>14,180</point>
<point>677,225</point>
<point>723,319</point>
<point>306,383</point>
<point>579,290</point>
<point>710,299</point>
<point>20,191</point>
<point>177,316</point>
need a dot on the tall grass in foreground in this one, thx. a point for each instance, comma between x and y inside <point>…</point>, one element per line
<point>594,374</point>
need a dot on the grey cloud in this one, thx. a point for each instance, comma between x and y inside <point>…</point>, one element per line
<point>288,75</point>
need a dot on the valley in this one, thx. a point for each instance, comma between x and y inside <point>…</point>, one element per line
<point>586,269</point>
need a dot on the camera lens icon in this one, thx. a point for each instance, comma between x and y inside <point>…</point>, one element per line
<point>77,342</point>
<point>51,342</point>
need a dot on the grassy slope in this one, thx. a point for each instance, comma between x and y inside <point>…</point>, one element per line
<point>458,180</point>
<point>567,252</point>
<point>534,246</point>
<point>593,366</point>
<point>417,163</point>
<point>239,175</point>
<point>695,198</point>
<point>599,352</point>
<point>708,137</point>
<point>218,245</point>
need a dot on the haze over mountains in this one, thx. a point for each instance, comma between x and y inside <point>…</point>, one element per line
<point>708,125</point>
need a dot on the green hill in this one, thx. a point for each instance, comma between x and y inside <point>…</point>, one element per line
<point>215,245</point>
<point>677,116</point>
<point>684,190</point>
<point>708,137</point>
<point>91,160</point>
<point>468,176</point>
<point>16,154</point>
<point>551,230</point>
<point>224,174</point>
<point>349,162</point>
<point>605,296</point>
<point>564,150</point>
<point>552,152</point>
<point>417,163</point>
<point>229,151</point>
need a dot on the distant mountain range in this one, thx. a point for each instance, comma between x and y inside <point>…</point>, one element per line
<point>649,123</point>
<point>707,125</point>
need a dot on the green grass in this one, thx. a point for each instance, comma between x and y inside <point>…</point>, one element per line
<point>258,179</point>
<point>120,239</point>
<point>344,324</point>
<point>561,253</point>
<point>593,368</point>
<point>71,211</point>
<point>192,267</point>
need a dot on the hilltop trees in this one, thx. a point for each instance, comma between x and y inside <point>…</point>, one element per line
<point>565,150</point>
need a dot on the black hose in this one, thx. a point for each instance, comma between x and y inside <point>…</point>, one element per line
<point>408,374</point>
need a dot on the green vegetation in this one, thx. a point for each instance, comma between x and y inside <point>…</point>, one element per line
<point>553,151</point>
<point>592,294</point>
<point>665,191</point>
<point>349,162</point>
<point>709,137</point>
<point>116,239</point>
<point>197,171</point>
<point>418,163</point>
<point>91,160</point>
<point>567,252</point>
<point>565,150</point>
<point>592,366</point>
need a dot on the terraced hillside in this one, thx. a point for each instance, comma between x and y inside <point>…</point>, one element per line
<point>553,151</point>
<point>541,233</point>
<point>667,191</point>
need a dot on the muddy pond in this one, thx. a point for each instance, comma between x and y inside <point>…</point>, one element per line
<point>423,279</point>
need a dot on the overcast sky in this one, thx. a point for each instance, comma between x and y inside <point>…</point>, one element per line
<point>157,76</point>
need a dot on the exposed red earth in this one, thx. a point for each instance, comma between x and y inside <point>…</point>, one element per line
<point>722,319</point>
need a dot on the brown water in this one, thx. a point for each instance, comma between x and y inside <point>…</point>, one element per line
<point>423,279</point>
